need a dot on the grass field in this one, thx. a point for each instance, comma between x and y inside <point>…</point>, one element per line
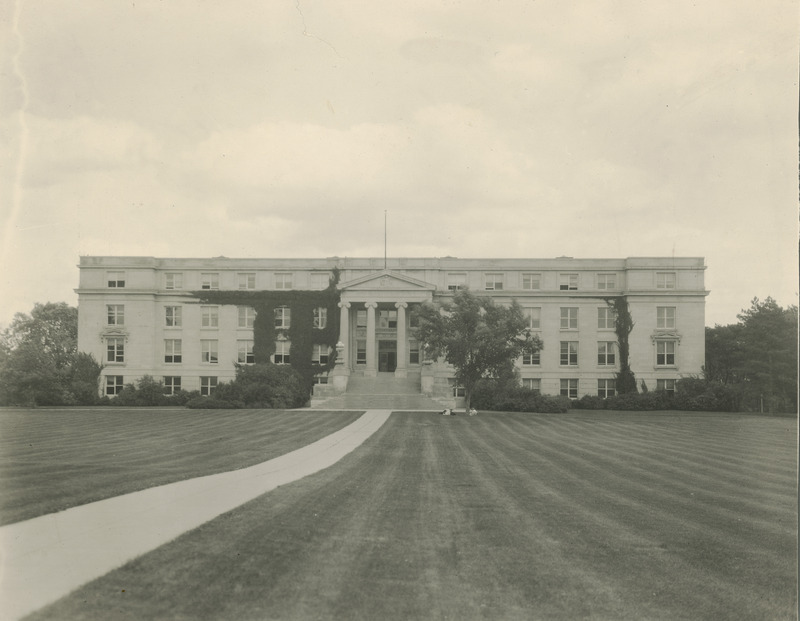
<point>55,459</point>
<point>619,516</point>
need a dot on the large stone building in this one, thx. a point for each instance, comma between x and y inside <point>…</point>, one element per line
<point>142,316</point>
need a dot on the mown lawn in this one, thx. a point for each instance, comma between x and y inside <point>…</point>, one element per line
<point>613,516</point>
<point>53,459</point>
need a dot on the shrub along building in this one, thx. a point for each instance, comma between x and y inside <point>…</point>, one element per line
<point>188,322</point>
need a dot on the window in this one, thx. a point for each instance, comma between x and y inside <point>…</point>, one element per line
<point>531,359</point>
<point>116,280</point>
<point>531,281</point>
<point>606,355</point>
<point>667,385</point>
<point>665,317</point>
<point>606,281</point>
<point>606,318</point>
<point>568,282</point>
<point>247,315</point>
<point>387,319</point>
<point>172,351</point>
<point>361,352</point>
<point>173,280</point>
<point>532,383</point>
<point>245,352</point>
<point>172,384</point>
<point>173,316</point>
<point>413,352</point>
<point>361,319</point>
<point>456,281</point>
<point>569,317</point>
<point>116,314</point>
<point>320,280</point>
<point>283,281</point>
<point>493,282</point>
<point>606,388</point>
<point>208,351</point>
<point>208,385</point>
<point>320,354</point>
<point>320,318</point>
<point>533,317</point>
<point>458,391</point>
<point>115,350</point>
<point>209,316</point>
<point>320,380</point>
<point>665,280</point>
<point>665,353</point>
<point>569,353</point>
<point>283,317</point>
<point>114,384</point>
<point>209,280</point>
<point>246,280</point>
<point>281,355</point>
<point>569,388</point>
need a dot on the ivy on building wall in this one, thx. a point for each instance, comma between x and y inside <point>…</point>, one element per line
<point>301,332</point>
<point>623,326</point>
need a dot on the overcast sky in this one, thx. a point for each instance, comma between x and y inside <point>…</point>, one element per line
<point>515,128</point>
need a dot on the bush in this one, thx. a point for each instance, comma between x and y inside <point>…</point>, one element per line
<point>589,402</point>
<point>147,392</point>
<point>693,393</point>
<point>506,397</point>
<point>271,386</point>
<point>656,400</point>
<point>263,385</point>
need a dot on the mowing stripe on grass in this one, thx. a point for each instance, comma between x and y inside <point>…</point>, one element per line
<point>46,557</point>
<point>52,460</point>
<point>500,517</point>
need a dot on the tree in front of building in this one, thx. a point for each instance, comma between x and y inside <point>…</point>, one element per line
<point>479,338</point>
<point>625,379</point>
<point>40,364</point>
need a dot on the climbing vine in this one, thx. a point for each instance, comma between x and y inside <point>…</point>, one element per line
<point>623,326</point>
<point>301,332</point>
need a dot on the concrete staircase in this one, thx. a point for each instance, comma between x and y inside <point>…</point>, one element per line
<point>384,392</point>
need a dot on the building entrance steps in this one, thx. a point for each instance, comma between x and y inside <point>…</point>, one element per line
<point>384,384</point>
<point>382,392</point>
<point>47,557</point>
<point>379,402</point>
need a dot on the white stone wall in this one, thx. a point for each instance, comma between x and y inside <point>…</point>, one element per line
<point>145,298</point>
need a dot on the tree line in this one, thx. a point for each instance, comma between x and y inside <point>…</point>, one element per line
<point>757,357</point>
<point>40,363</point>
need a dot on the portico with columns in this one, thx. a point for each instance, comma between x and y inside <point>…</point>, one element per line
<point>375,323</point>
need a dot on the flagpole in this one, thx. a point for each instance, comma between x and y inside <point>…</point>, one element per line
<point>384,239</point>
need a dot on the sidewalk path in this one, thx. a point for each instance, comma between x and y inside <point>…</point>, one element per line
<point>45,558</point>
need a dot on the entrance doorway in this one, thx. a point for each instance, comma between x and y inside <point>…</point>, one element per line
<point>387,356</point>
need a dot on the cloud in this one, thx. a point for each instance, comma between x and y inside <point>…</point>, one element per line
<point>62,148</point>
<point>483,129</point>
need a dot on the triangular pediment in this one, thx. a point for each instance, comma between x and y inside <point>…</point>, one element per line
<point>386,280</point>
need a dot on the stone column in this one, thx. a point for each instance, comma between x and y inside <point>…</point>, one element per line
<point>372,344</point>
<point>344,334</point>
<point>402,341</point>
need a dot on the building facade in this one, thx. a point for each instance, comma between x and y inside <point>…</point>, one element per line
<point>142,316</point>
